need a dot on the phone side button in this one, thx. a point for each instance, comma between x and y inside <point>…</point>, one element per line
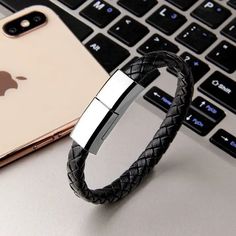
<point>43,143</point>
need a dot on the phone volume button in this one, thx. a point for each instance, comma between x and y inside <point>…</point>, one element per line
<point>64,133</point>
<point>43,143</point>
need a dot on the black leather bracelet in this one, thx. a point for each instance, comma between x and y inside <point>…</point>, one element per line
<point>105,110</point>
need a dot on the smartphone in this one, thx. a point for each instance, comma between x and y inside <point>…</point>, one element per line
<point>47,78</point>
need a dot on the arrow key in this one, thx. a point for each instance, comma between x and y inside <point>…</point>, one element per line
<point>208,109</point>
<point>198,123</point>
<point>225,141</point>
<point>159,98</point>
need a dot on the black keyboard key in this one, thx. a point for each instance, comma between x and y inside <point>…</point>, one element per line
<point>138,7</point>
<point>221,89</point>
<point>128,31</point>
<point>108,53</point>
<point>225,141</point>
<point>155,43</point>
<point>211,13</point>
<point>230,30</point>
<point>197,38</point>
<point>198,67</point>
<point>100,13</point>
<point>182,4</point>
<point>80,30</point>
<point>15,5</point>
<point>208,109</point>
<point>224,56</point>
<point>198,123</point>
<point>166,20</point>
<point>159,98</point>
<point>72,4</point>
<point>232,3</point>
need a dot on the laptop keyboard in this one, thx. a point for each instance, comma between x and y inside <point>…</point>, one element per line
<point>131,28</point>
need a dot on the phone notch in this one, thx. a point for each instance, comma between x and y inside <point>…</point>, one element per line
<point>24,24</point>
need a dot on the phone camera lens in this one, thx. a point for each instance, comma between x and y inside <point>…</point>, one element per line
<point>12,30</point>
<point>37,19</point>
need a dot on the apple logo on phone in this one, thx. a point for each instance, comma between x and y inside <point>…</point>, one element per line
<point>6,82</point>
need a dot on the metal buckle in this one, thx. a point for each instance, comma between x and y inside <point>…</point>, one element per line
<point>104,111</point>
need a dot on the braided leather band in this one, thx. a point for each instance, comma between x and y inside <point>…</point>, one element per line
<point>131,178</point>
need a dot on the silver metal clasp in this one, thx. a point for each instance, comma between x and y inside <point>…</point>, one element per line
<point>104,111</point>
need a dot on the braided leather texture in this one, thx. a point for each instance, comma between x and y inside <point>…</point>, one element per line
<point>131,178</point>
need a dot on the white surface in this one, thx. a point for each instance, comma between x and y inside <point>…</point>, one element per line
<point>191,191</point>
